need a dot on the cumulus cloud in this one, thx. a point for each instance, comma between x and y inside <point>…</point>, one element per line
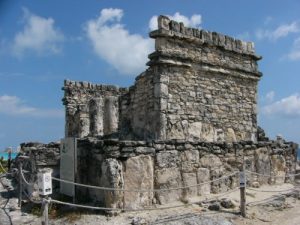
<point>39,35</point>
<point>14,106</point>
<point>112,42</point>
<point>194,21</point>
<point>294,54</point>
<point>280,32</point>
<point>288,107</point>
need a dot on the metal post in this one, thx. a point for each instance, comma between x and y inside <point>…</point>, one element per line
<point>243,191</point>
<point>20,185</point>
<point>45,208</point>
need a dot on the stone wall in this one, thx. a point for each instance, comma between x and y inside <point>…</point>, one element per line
<point>91,110</point>
<point>175,163</point>
<point>208,84</point>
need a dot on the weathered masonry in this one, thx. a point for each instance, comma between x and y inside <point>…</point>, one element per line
<point>196,103</point>
<point>199,86</point>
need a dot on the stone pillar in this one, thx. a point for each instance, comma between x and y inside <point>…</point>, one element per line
<point>111,115</point>
<point>83,122</point>
<point>96,116</point>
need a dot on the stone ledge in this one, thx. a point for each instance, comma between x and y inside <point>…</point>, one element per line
<point>171,28</point>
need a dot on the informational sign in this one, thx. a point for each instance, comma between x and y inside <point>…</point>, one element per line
<point>242,179</point>
<point>45,182</point>
<point>68,161</point>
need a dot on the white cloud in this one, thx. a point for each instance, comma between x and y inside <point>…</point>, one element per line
<point>112,42</point>
<point>194,21</point>
<point>39,35</point>
<point>270,96</point>
<point>295,52</point>
<point>280,32</point>
<point>12,105</point>
<point>289,106</point>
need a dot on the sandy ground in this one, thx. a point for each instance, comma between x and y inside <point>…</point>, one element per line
<point>262,208</point>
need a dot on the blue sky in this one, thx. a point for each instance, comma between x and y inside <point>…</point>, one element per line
<point>44,42</point>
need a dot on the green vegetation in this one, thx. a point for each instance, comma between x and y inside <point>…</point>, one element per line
<point>4,165</point>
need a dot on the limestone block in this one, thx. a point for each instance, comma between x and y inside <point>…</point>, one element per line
<point>219,185</point>
<point>168,178</point>
<point>189,160</point>
<point>160,90</point>
<point>230,135</point>
<point>175,26</point>
<point>96,116</point>
<point>167,159</point>
<point>219,135</point>
<point>163,22</point>
<point>111,114</point>
<point>210,161</point>
<point>112,177</point>
<point>278,164</point>
<point>208,132</point>
<point>262,164</point>
<point>194,131</point>
<point>203,175</point>
<point>83,126</point>
<point>176,131</point>
<point>138,174</point>
<point>189,179</point>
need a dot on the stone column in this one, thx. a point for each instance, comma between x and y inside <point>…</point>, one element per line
<point>83,122</point>
<point>111,115</point>
<point>96,116</point>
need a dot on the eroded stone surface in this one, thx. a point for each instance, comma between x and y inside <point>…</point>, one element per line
<point>138,174</point>
<point>263,165</point>
<point>112,177</point>
<point>168,178</point>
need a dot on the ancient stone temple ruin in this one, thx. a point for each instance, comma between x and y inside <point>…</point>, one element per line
<point>190,117</point>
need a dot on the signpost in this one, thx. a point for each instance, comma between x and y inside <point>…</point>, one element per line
<point>243,192</point>
<point>45,189</point>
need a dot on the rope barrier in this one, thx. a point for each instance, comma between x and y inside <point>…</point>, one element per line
<point>262,201</point>
<point>253,189</point>
<point>23,178</point>
<point>273,176</point>
<point>144,209</point>
<point>141,190</point>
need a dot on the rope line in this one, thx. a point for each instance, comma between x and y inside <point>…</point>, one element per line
<point>144,209</point>
<point>23,178</point>
<point>141,190</point>
<point>273,176</point>
<point>253,189</point>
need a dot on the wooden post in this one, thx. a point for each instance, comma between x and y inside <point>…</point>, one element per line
<point>9,160</point>
<point>243,191</point>
<point>20,185</point>
<point>45,208</point>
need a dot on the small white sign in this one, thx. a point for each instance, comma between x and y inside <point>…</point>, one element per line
<point>45,183</point>
<point>242,179</point>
